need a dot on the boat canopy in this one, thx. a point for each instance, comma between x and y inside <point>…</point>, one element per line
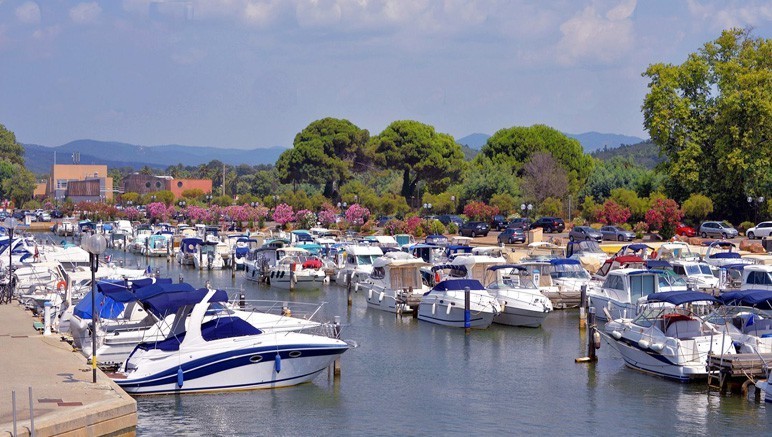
<point>460,268</point>
<point>162,299</point>
<point>563,261</point>
<point>507,266</point>
<point>635,247</point>
<point>761,299</point>
<point>725,255</point>
<point>719,244</point>
<point>457,284</point>
<point>680,297</point>
<point>657,264</point>
<point>189,244</point>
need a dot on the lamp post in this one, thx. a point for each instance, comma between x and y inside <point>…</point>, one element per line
<point>10,224</point>
<point>755,202</point>
<point>526,209</point>
<point>208,199</point>
<point>453,199</point>
<point>95,245</point>
<point>428,208</point>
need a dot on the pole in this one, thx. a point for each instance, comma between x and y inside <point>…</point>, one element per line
<point>348,288</point>
<point>93,260</point>
<point>467,311</point>
<point>31,415</point>
<point>582,308</point>
<point>591,335</point>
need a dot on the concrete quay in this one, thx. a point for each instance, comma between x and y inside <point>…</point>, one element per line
<point>65,401</point>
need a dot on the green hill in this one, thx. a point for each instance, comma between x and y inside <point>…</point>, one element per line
<point>645,154</point>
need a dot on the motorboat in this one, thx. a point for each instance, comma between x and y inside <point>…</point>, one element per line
<point>756,277</point>
<point>619,262</point>
<point>588,253</point>
<point>521,303</point>
<point>158,245</point>
<point>697,274</point>
<point>722,252</point>
<point>675,251</point>
<point>668,279</point>
<point>65,228</point>
<point>667,338</point>
<point>395,282</point>
<point>221,353</point>
<point>297,269</point>
<point>188,250</point>
<point>746,317</point>
<point>621,292</point>
<point>560,279</point>
<point>444,304</point>
<point>356,263</point>
<point>207,256</point>
<point>241,250</point>
<point>543,251</point>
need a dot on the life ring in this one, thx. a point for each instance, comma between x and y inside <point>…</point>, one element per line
<point>61,285</point>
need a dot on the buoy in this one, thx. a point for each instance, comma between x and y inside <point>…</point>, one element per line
<point>447,311</point>
<point>596,339</point>
<point>370,294</point>
<point>180,377</point>
<point>434,308</point>
<point>436,277</point>
<point>657,347</point>
<point>277,363</point>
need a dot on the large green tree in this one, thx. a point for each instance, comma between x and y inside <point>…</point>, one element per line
<point>421,154</point>
<point>325,153</point>
<point>516,145</point>
<point>16,182</point>
<point>10,149</point>
<point>712,118</point>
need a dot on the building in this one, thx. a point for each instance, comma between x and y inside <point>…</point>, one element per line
<point>79,183</point>
<point>144,184</point>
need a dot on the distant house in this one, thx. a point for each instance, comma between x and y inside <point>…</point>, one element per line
<point>143,184</point>
<point>79,183</point>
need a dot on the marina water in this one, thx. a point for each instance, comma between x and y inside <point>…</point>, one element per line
<point>414,378</point>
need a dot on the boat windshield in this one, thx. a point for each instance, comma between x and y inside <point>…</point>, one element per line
<point>668,278</point>
<point>698,269</point>
<point>569,271</point>
<point>589,246</point>
<point>366,260</point>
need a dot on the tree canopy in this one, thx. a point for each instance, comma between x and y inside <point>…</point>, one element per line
<point>711,117</point>
<point>10,149</point>
<point>421,154</point>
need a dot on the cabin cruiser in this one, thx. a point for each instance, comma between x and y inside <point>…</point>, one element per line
<point>395,282</point>
<point>588,253</point>
<point>619,262</point>
<point>158,245</point>
<point>297,269</point>
<point>667,338</point>
<point>668,279</point>
<point>188,250</point>
<point>207,256</point>
<point>675,251</point>
<point>559,279</point>
<point>621,292</point>
<point>65,228</point>
<point>211,350</point>
<point>241,249</point>
<point>756,277</point>
<point>721,252</point>
<point>544,251</point>
<point>521,303</point>
<point>355,263</point>
<point>697,274</point>
<point>746,317</point>
<point>444,304</point>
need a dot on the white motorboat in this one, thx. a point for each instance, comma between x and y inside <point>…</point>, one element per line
<point>158,245</point>
<point>588,253</point>
<point>696,273</point>
<point>722,252</point>
<point>223,353</point>
<point>676,251</point>
<point>747,317</point>
<point>296,270</point>
<point>667,338</point>
<point>560,279</point>
<point>208,257</point>
<point>756,277</point>
<point>355,263</point>
<point>620,293</point>
<point>521,302</point>
<point>395,282</point>
<point>444,304</point>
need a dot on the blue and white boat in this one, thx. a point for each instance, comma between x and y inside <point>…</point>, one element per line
<point>668,338</point>
<point>211,350</point>
<point>188,250</point>
<point>521,302</point>
<point>444,304</point>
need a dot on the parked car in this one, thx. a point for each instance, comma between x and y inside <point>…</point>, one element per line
<point>615,233</point>
<point>685,230</point>
<point>717,230</point>
<point>498,222</point>
<point>523,223</point>
<point>382,220</point>
<point>579,233</point>
<point>763,229</point>
<point>473,229</point>
<point>445,219</point>
<point>550,224</point>
<point>57,214</point>
<point>511,236</point>
<point>43,217</point>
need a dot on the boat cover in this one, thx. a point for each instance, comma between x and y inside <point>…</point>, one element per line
<point>461,268</point>
<point>563,261</point>
<point>657,264</point>
<point>761,299</point>
<point>725,255</point>
<point>171,297</point>
<point>680,297</point>
<point>458,284</point>
<point>507,266</point>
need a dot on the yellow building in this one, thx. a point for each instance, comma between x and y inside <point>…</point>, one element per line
<point>92,183</point>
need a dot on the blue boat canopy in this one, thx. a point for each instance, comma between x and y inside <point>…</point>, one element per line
<point>680,297</point>
<point>638,246</point>
<point>107,307</point>
<point>117,290</point>
<point>189,244</point>
<point>496,267</point>
<point>457,284</point>
<point>725,255</point>
<point>563,261</point>
<point>761,299</point>
<point>168,298</point>
<point>657,264</point>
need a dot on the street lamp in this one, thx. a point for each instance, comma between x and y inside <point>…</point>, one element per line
<point>453,199</point>
<point>95,245</point>
<point>755,202</point>
<point>356,198</point>
<point>428,207</point>
<point>526,209</point>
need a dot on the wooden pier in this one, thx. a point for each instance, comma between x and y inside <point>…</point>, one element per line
<point>735,372</point>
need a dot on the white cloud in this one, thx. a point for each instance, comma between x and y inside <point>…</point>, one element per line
<point>28,13</point>
<point>85,13</point>
<point>592,37</point>
<point>725,15</point>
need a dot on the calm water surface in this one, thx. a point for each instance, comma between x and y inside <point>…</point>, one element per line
<point>414,378</point>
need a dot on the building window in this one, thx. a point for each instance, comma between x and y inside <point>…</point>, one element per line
<point>158,184</point>
<point>179,184</point>
<point>147,184</point>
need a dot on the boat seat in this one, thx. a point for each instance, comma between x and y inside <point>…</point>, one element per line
<point>684,329</point>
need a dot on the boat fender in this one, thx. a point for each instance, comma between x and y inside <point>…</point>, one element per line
<point>356,288</point>
<point>277,363</point>
<point>616,334</point>
<point>434,308</point>
<point>282,274</point>
<point>657,347</point>
<point>180,377</point>
<point>643,344</point>
<point>596,339</point>
<point>436,278</point>
<point>447,311</point>
<point>370,294</point>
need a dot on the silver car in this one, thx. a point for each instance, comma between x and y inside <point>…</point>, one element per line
<point>579,233</point>
<point>717,230</point>
<point>616,233</point>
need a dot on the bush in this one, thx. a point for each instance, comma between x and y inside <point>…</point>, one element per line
<point>664,215</point>
<point>435,227</point>
<point>596,226</point>
<point>612,213</point>
<point>744,226</point>
<point>697,207</point>
<point>640,228</point>
<point>452,228</point>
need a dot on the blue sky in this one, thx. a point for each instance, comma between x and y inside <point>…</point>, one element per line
<point>253,73</point>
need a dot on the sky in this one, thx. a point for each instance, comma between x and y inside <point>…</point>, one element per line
<point>254,73</point>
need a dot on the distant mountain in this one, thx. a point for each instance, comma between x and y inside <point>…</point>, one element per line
<point>592,141</point>
<point>474,141</point>
<point>645,154</point>
<point>115,154</point>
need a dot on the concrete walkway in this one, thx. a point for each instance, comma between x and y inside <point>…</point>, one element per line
<point>64,400</point>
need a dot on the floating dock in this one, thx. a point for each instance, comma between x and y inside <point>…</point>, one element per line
<point>736,372</point>
<point>64,399</point>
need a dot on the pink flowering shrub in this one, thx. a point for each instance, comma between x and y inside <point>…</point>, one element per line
<point>612,213</point>
<point>664,215</point>
<point>159,211</point>
<point>283,214</point>
<point>480,211</point>
<point>394,227</point>
<point>328,215</point>
<point>357,214</point>
<point>413,226</point>
<point>305,219</point>
<point>132,213</point>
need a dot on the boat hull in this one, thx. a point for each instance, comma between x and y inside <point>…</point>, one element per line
<point>450,314</point>
<point>389,302</point>
<point>301,281</point>
<point>512,315</point>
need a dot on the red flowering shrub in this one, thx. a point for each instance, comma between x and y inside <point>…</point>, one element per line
<point>612,213</point>
<point>664,215</point>
<point>480,211</point>
<point>283,214</point>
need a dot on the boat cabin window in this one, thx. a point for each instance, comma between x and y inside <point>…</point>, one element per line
<point>404,278</point>
<point>365,260</point>
<point>378,273</point>
<point>614,282</point>
<point>641,285</point>
<point>457,273</point>
<point>679,270</point>
<point>759,278</point>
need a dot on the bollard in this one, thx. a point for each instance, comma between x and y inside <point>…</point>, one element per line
<point>181,278</point>
<point>591,334</point>
<point>467,311</point>
<point>13,407</point>
<point>31,415</point>
<point>47,318</point>
<point>582,308</point>
<point>348,289</point>
<point>336,363</point>
<point>292,277</point>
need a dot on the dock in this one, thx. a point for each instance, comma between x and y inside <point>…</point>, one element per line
<point>736,372</point>
<point>64,399</point>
